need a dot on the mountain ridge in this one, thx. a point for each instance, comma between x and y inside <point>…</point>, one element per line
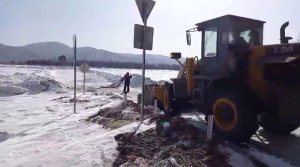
<point>52,50</point>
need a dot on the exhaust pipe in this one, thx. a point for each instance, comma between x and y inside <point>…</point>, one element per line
<point>283,38</point>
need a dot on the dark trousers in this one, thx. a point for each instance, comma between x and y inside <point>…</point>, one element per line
<point>126,88</point>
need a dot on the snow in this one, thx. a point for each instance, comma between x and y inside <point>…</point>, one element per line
<point>236,159</point>
<point>270,160</point>
<point>56,137</point>
<point>8,90</point>
<point>37,124</point>
<point>19,83</point>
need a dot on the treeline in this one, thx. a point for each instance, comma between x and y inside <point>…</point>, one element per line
<point>108,64</point>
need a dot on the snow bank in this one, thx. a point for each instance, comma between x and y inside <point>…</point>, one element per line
<point>6,90</point>
<point>97,76</point>
<point>32,83</point>
<point>136,81</point>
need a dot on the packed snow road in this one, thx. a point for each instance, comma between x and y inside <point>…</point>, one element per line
<point>284,146</point>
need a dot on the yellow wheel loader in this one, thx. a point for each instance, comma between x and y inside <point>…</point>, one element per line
<point>242,82</point>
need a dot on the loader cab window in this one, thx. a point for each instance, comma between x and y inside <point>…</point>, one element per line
<point>210,42</point>
<point>245,35</point>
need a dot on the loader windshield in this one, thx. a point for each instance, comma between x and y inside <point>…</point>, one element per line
<point>210,47</point>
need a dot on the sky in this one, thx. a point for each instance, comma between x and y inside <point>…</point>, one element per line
<point>109,24</point>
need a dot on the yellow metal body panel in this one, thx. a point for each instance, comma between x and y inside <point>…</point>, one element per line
<point>256,81</point>
<point>159,93</point>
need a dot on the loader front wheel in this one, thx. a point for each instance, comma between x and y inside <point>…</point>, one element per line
<point>272,124</point>
<point>233,118</point>
<point>168,102</point>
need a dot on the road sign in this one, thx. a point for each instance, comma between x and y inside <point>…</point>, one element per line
<point>84,68</point>
<point>145,7</point>
<point>139,37</point>
<point>143,39</point>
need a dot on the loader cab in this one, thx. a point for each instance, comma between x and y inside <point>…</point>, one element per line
<point>221,37</point>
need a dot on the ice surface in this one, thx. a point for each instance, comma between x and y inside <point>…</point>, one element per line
<point>38,127</point>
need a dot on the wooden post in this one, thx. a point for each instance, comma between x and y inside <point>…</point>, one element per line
<point>209,127</point>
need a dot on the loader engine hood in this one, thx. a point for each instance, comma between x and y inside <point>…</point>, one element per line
<point>283,53</point>
<point>281,63</point>
<point>281,69</point>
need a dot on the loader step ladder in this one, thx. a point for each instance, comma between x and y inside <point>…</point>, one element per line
<point>200,83</point>
<point>198,91</point>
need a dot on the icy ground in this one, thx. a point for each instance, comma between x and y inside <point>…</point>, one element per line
<point>38,127</point>
<point>37,124</point>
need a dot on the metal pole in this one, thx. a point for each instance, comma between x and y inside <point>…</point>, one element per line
<point>83,83</point>
<point>143,71</point>
<point>74,73</point>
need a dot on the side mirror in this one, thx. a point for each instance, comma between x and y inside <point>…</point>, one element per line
<point>188,38</point>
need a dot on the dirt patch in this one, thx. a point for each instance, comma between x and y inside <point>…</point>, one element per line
<point>60,98</point>
<point>109,94</point>
<point>93,106</point>
<point>64,99</point>
<point>78,100</point>
<point>179,144</point>
<point>120,115</point>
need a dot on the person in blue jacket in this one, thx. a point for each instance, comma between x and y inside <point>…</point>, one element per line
<point>127,78</point>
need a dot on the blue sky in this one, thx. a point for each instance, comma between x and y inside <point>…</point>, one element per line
<point>108,24</point>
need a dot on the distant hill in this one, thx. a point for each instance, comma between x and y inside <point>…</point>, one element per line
<point>9,53</point>
<point>52,50</point>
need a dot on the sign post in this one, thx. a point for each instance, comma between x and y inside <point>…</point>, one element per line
<point>84,68</point>
<point>145,7</point>
<point>74,62</point>
<point>83,83</point>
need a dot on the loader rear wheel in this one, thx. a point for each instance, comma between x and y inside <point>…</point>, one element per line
<point>233,118</point>
<point>272,124</point>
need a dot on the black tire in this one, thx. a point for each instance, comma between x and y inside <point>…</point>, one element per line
<point>272,124</point>
<point>233,118</point>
